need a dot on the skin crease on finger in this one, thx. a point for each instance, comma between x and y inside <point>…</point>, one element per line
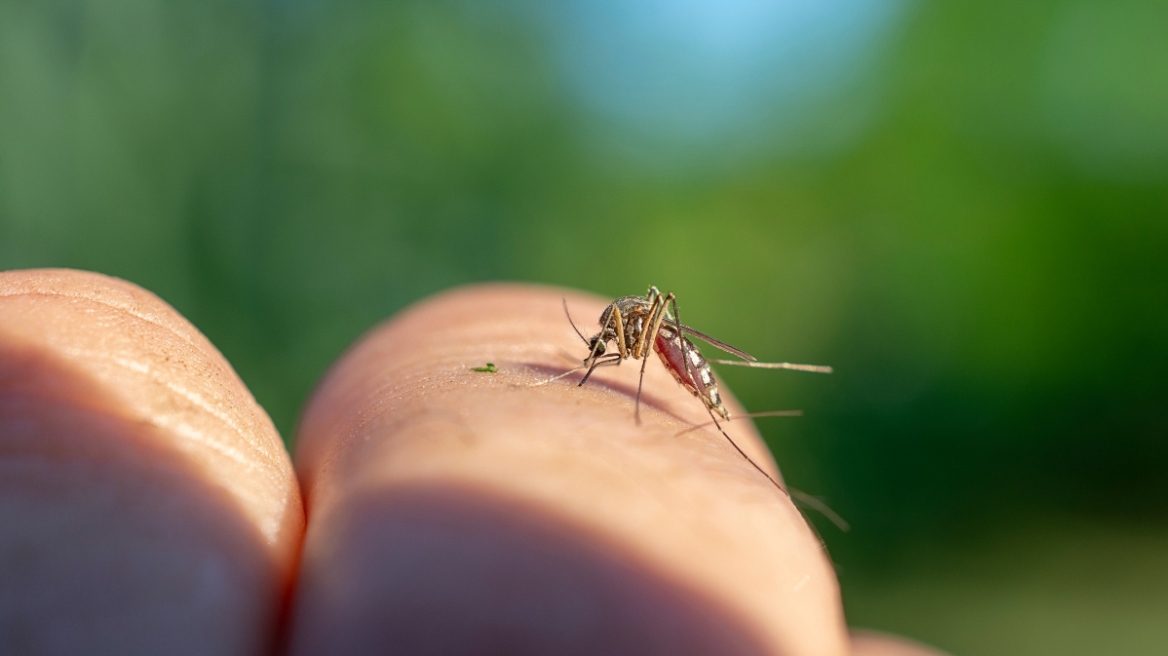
<point>147,503</point>
<point>402,429</point>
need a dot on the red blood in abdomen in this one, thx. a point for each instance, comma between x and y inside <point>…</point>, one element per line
<point>673,356</point>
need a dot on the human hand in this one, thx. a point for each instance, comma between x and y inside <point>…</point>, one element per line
<point>147,505</point>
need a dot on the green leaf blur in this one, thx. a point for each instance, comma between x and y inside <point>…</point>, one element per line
<point>971,227</point>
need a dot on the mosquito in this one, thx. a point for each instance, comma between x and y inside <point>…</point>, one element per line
<point>637,323</point>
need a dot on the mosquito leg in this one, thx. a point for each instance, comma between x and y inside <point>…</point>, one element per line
<point>816,368</point>
<point>620,332</point>
<point>645,338</point>
<point>655,322</point>
<point>677,328</point>
<point>640,384</point>
<point>743,454</point>
<point>554,378</point>
<point>602,361</point>
<point>653,325</point>
<point>645,341</point>
<point>597,345</point>
<point>685,348</point>
<point>804,499</point>
<point>749,415</point>
<point>800,498</point>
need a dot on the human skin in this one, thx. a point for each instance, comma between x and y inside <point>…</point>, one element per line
<point>147,506</point>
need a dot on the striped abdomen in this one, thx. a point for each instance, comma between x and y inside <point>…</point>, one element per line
<point>674,350</point>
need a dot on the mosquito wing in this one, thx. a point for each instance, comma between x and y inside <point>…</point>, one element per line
<point>749,360</point>
<point>723,346</point>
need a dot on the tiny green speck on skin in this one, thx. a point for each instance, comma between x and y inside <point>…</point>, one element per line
<point>489,369</point>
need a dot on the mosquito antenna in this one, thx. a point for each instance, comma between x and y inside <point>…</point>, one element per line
<point>567,314</point>
<point>816,368</point>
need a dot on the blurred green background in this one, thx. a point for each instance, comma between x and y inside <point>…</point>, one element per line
<point>961,206</point>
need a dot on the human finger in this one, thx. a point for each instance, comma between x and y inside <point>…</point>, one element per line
<point>461,511</point>
<point>147,504</point>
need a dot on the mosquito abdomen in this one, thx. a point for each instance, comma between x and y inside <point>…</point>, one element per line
<point>694,375</point>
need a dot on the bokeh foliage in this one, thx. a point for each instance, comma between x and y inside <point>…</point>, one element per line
<point>971,226</point>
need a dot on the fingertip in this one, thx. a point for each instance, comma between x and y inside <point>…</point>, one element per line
<point>146,497</point>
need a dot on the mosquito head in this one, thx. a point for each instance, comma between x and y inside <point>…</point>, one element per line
<point>595,346</point>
